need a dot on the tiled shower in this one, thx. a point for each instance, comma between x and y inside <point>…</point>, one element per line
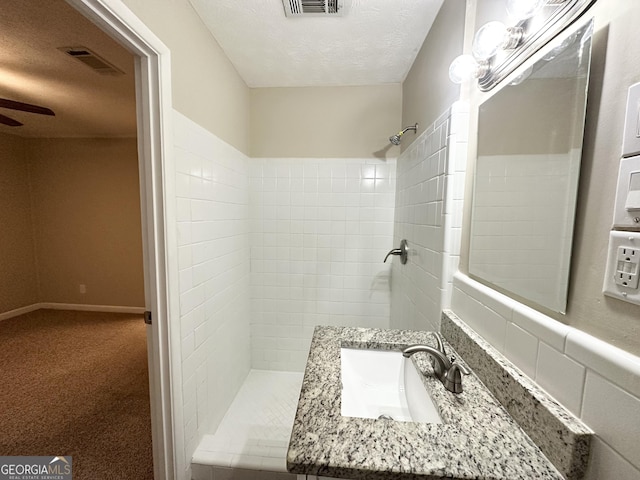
<point>428,213</point>
<point>319,231</point>
<point>271,247</point>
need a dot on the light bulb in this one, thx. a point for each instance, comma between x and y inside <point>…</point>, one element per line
<point>465,67</point>
<point>488,40</point>
<point>492,37</point>
<point>523,9</point>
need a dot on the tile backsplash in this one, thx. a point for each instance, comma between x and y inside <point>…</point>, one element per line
<point>597,382</point>
<point>563,438</point>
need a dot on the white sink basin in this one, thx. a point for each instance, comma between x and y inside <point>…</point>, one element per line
<point>380,383</point>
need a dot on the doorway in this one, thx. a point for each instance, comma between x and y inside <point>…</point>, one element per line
<point>153,100</point>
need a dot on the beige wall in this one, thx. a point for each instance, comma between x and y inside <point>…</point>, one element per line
<point>616,46</point>
<point>18,276</point>
<point>206,87</point>
<point>325,121</point>
<point>86,210</point>
<point>615,66</point>
<point>427,91</point>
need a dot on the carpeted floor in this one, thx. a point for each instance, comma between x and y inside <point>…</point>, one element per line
<point>76,383</point>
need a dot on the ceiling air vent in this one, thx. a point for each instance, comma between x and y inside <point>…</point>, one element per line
<point>92,60</point>
<point>307,8</point>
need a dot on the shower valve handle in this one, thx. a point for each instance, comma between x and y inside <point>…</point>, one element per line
<point>403,252</point>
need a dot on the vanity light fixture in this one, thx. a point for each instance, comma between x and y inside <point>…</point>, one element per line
<point>491,38</point>
<point>498,49</point>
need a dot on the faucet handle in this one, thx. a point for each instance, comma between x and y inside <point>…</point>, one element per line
<point>395,251</point>
<point>462,368</point>
<point>403,252</point>
<point>439,342</point>
<point>440,348</point>
<point>452,380</point>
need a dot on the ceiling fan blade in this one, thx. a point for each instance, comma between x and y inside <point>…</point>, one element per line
<point>9,121</point>
<point>25,107</point>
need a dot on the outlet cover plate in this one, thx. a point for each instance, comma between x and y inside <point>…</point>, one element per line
<point>624,219</point>
<point>617,265</point>
<point>631,138</point>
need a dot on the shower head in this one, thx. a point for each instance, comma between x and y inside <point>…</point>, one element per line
<point>395,139</point>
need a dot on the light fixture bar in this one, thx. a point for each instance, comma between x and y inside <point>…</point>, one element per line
<point>498,49</point>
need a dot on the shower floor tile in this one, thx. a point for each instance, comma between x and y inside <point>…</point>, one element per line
<point>255,431</point>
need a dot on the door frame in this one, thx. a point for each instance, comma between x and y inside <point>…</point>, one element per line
<point>159,235</point>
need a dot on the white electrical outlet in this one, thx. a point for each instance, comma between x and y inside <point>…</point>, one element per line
<point>83,288</point>
<point>626,270</point>
<point>623,267</point>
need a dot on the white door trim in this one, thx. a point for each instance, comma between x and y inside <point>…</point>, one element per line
<point>157,187</point>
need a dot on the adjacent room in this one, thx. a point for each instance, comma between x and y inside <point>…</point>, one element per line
<point>72,334</point>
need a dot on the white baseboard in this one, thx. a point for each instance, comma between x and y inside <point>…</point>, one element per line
<point>92,308</point>
<point>71,306</point>
<point>20,311</point>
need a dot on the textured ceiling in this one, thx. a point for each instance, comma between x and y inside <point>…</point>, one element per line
<point>33,70</point>
<point>375,42</point>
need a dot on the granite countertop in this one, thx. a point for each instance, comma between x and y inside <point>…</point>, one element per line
<point>477,439</point>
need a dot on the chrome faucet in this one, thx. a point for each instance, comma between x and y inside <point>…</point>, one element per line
<point>440,362</point>
<point>448,371</point>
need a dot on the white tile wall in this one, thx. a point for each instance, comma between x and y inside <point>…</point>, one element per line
<point>255,431</point>
<point>561,376</point>
<point>320,230</point>
<point>596,381</point>
<point>212,192</point>
<point>605,410</point>
<point>429,193</point>
<point>522,348</point>
<point>607,464</point>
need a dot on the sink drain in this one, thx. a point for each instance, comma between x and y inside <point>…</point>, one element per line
<point>385,417</point>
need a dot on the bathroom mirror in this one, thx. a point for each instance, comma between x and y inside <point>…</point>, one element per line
<point>526,178</point>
